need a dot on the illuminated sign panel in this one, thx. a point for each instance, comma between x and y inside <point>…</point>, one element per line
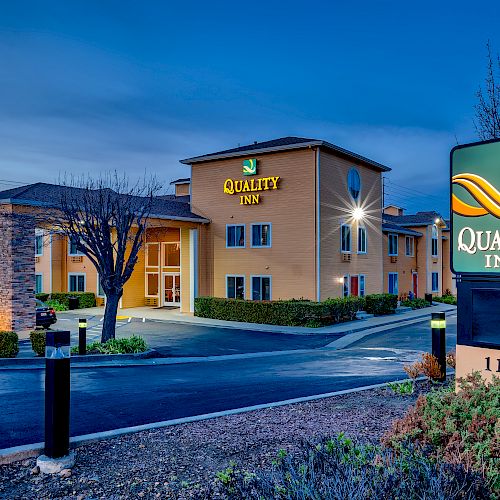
<point>475,208</point>
<point>249,190</point>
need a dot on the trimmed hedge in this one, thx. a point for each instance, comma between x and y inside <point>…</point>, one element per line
<point>381,303</point>
<point>85,299</point>
<point>37,338</point>
<point>280,312</point>
<point>9,344</point>
<point>415,303</point>
<point>446,299</point>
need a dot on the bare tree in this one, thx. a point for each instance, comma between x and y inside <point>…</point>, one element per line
<point>106,218</point>
<point>487,120</point>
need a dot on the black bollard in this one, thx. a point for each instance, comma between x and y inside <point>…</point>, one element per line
<point>438,325</point>
<point>82,336</point>
<point>57,393</point>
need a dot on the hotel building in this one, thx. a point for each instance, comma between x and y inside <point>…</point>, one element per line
<point>287,218</point>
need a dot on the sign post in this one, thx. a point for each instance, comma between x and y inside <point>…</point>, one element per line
<point>475,254</point>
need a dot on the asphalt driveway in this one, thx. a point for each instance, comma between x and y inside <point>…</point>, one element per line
<point>186,340</point>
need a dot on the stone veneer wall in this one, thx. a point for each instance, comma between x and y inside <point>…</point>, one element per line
<point>17,269</point>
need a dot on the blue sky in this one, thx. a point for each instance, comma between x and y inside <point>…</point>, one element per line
<point>89,86</point>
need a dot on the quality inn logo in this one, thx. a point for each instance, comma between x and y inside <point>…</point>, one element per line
<point>483,192</point>
<point>250,167</point>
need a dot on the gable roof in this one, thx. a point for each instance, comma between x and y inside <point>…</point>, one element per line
<point>389,227</point>
<point>283,144</point>
<point>47,195</point>
<point>417,219</point>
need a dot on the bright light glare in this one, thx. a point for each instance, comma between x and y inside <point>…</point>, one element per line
<point>437,221</point>
<point>358,213</point>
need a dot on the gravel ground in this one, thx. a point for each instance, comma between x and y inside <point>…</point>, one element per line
<point>178,462</point>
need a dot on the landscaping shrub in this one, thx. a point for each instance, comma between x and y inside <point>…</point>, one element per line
<point>279,312</point>
<point>42,296</point>
<point>37,338</point>
<point>460,428</point>
<point>128,345</point>
<point>415,303</point>
<point>340,468</point>
<point>9,344</point>
<point>85,299</point>
<point>56,305</point>
<point>381,303</point>
<point>446,299</point>
<point>428,367</point>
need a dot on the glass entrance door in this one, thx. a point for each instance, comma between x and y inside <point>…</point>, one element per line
<point>171,289</point>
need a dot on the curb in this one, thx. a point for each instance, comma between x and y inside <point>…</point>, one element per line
<point>17,453</point>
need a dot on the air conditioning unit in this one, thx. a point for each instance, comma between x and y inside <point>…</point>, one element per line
<point>37,260</point>
<point>76,259</point>
<point>394,259</point>
<point>346,257</point>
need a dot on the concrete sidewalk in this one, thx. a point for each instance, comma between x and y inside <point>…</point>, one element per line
<point>174,316</point>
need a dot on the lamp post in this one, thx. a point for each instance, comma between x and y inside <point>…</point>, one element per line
<point>438,326</point>
<point>57,399</point>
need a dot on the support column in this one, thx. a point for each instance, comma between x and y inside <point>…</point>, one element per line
<point>193,267</point>
<point>17,269</point>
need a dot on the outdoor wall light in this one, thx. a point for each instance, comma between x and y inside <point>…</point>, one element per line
<point>358,213</point>
<point>437,221</point>
<point>340,280</point>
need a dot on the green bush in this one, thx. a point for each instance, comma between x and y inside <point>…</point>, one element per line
<point>279,312</point>
<point>56,305</point>
<point>85,299</point>
<point>446,299</point>
<point>42,296</point>
<point>37,338</point>
<point>9,344</point>
<point>381,303</point>
<point>462,427</point>
<point>415,303</point>
<point>130,345</point>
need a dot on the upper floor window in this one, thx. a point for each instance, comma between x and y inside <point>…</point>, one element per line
<point>410,246</point>
<point>235,236</point>
<point>361,239</point>
<point>73,248</point>
<point>38,245</point>
<point>393,244</point>
<point>434,241</point>
<point>354,183</point>
<point>345,238</point>
<point>261,235</point>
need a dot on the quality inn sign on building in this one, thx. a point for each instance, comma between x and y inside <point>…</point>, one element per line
<point>475,208</point>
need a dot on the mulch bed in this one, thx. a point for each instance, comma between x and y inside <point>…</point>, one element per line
<point>178,462</point>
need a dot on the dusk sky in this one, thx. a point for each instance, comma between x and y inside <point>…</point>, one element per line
<point>91,86</point>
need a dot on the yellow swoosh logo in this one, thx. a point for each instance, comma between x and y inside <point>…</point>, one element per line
<point>486,195</point>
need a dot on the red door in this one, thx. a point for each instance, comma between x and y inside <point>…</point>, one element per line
<point>354,285</point>
<point>415,284</point>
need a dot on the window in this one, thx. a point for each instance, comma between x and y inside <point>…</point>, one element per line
<point>235,236</point>
<point>152,281</point>
<point>393,244</point>
<point>409,246</point>
<point>361,240</point>
<point>435,282</point>
<point>100,291</point>
<point>172,254</point>
<point>152,252</point>
<point>434,241</point>
<point>261,235</point>
<point>38,283</point>
<point>76,282</point>
<point>73,250</point>
<point>362,285</point>
<point>393,283</point>
<point>261,287</point>
<point>235,287</point>
<point>38,245</point>
<point>354,183</point>
<point>345,238</point>
<point>346,286</point>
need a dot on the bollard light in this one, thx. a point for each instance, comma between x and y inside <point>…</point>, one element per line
<point>57,393</point>
<point>82,336</point>
<point>438,326</point>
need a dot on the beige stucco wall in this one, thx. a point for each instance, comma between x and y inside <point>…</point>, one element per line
<point>470,359</point>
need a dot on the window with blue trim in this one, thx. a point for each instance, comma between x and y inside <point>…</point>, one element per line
<point>235,236</point>
<point>261,235</point>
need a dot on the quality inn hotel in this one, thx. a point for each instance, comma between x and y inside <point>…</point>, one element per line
<point>286,218</point>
